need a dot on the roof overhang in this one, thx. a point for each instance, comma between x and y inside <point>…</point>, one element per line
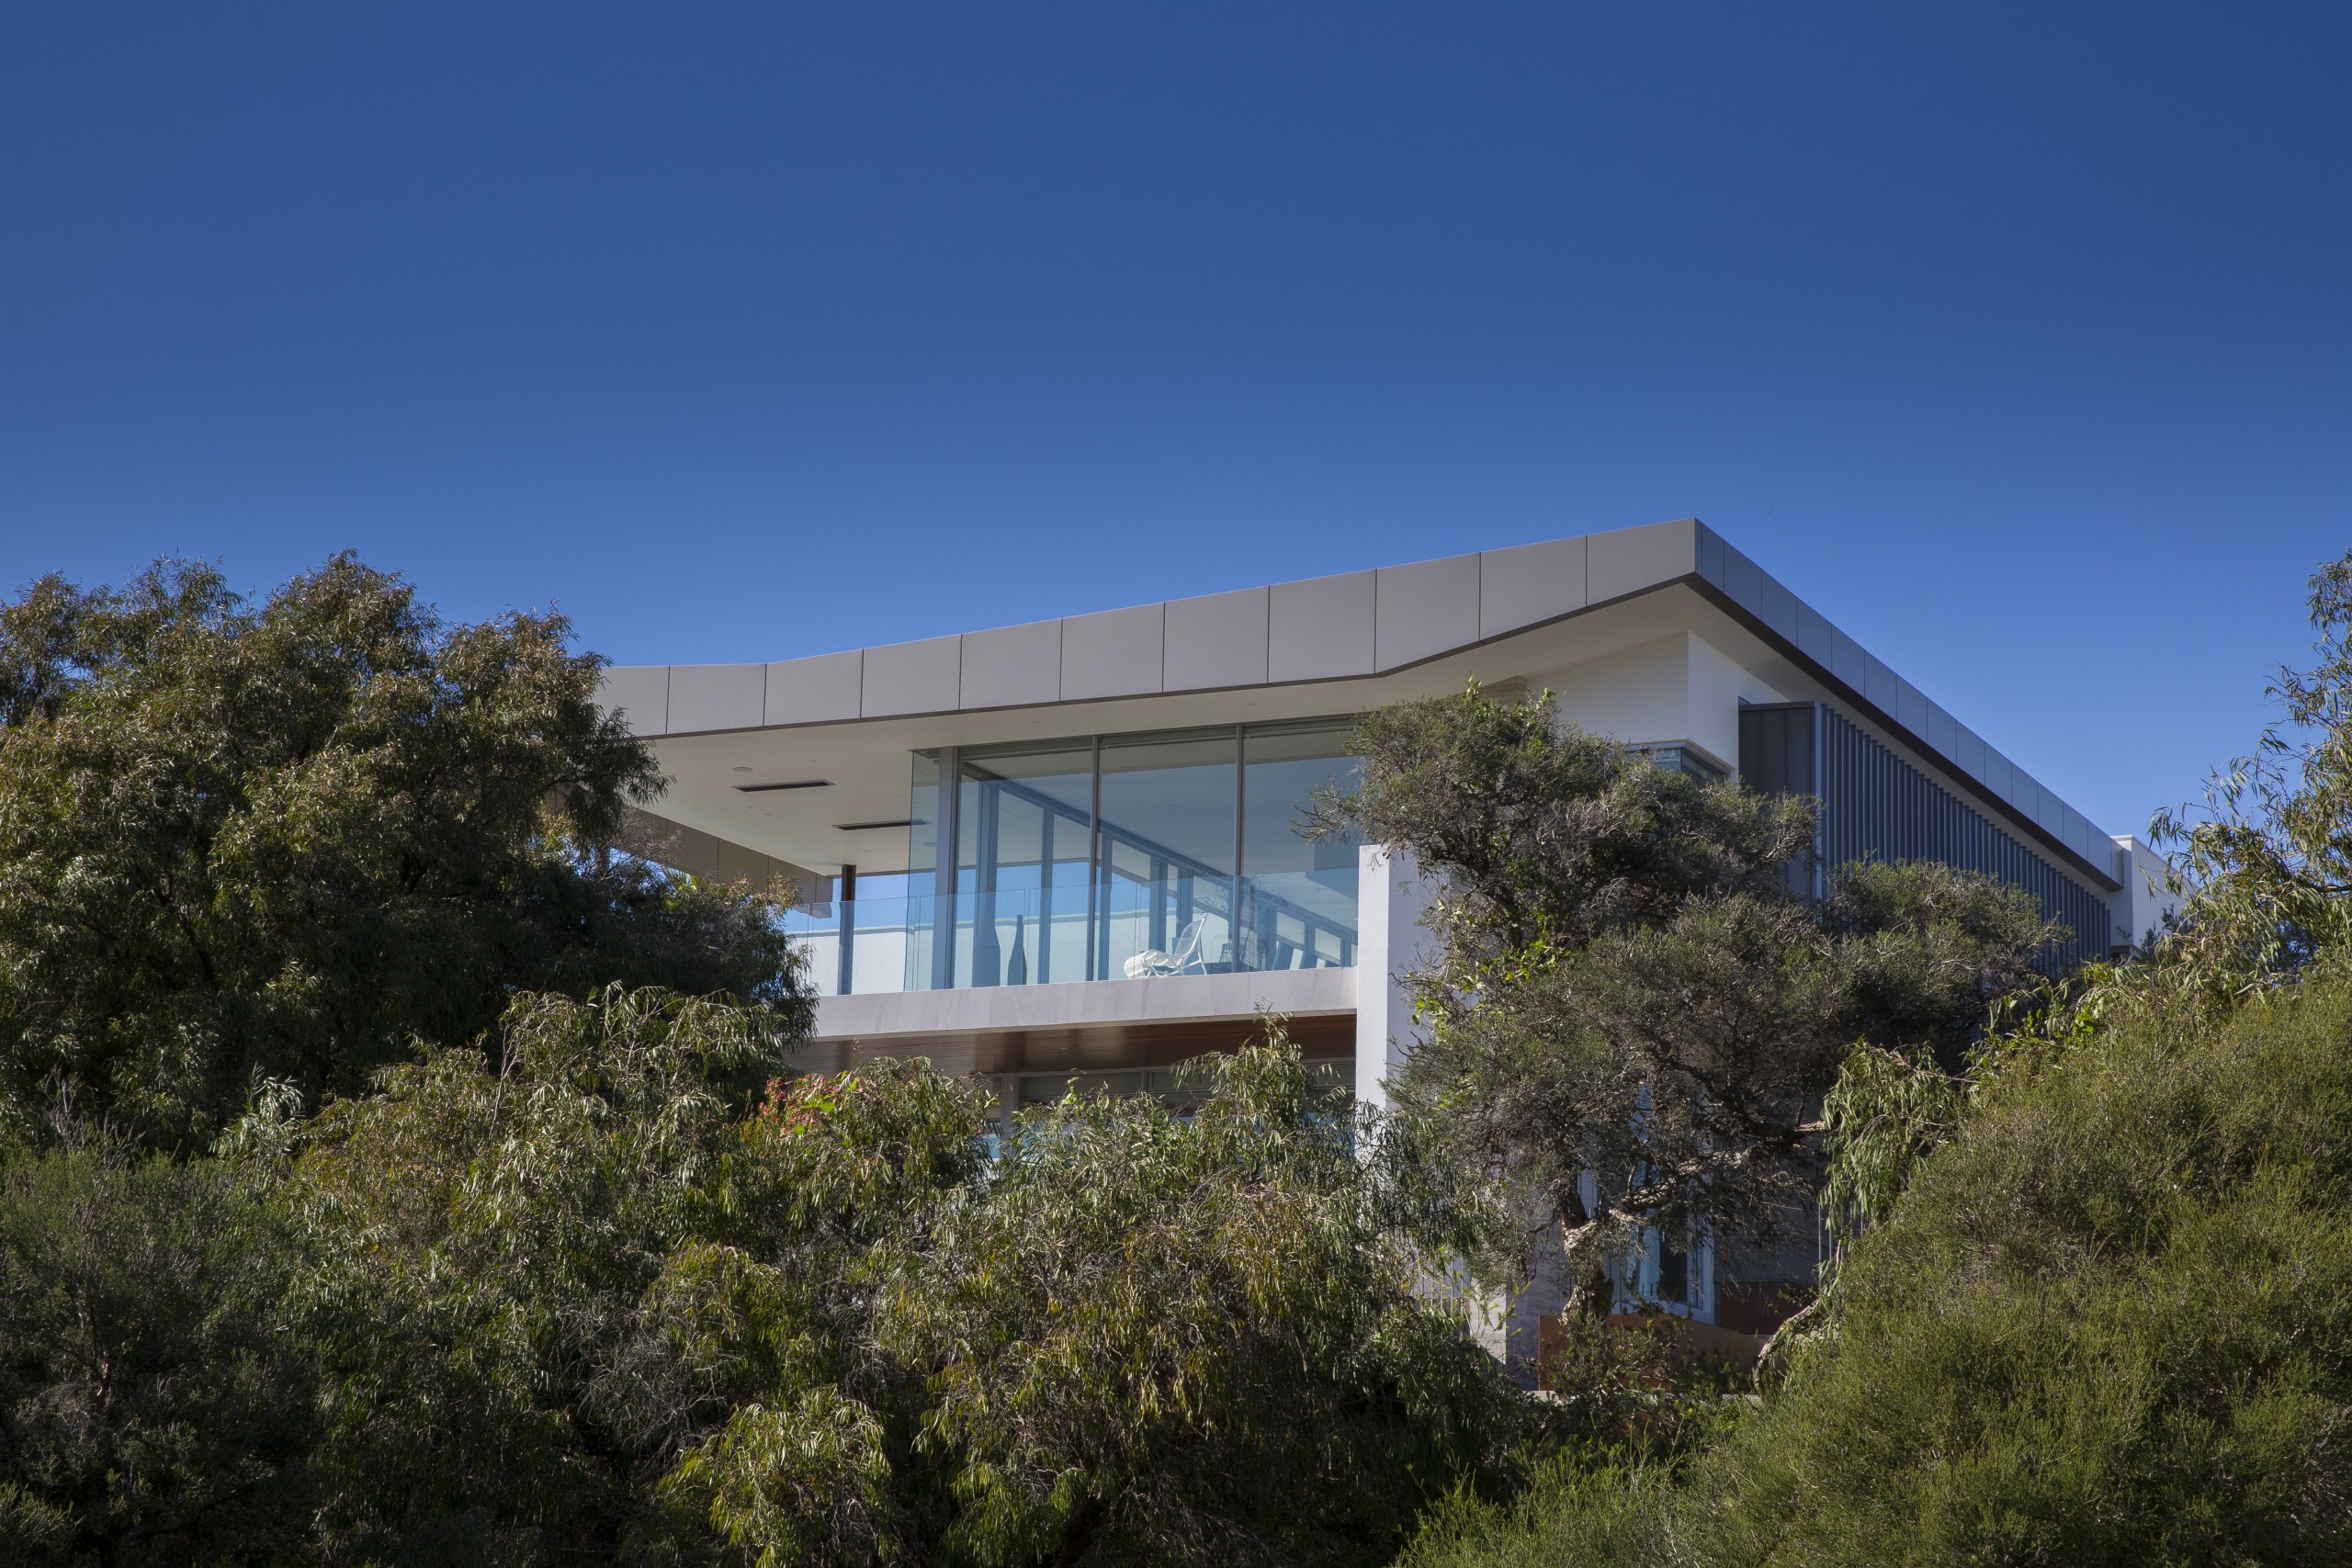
<point>1293,650</point>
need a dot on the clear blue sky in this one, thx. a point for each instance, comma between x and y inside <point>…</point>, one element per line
<point>2016,338</point>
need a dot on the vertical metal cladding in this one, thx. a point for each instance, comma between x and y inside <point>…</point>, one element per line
<point>1875,806</point>
<point>1778,755</point>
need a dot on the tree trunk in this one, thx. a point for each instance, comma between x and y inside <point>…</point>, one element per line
<point>1590,1296</point>
<point>1589,1291</point>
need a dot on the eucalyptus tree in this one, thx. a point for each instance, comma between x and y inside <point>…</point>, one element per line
<point>523,1274</point>
<point>2265,862</point>
<point>2264,877</point>
<point>2106,1323</point>
<point>153,1408</point>
<point>610,1297</point>
<point>1172,1339</point>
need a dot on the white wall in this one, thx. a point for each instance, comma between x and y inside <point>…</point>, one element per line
<point>1676,688</point>
<point>1718,685</point>
<point>2144,901</point>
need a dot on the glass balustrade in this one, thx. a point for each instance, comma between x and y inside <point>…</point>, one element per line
<point>1025,938</point>
<point>883,923</point>
<point>1105,858</point>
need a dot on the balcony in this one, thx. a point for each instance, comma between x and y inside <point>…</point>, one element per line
<point>1102,858</point>
<point>1038,936</point>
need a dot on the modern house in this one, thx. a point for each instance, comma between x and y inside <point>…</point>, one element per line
<point>1070,847</point>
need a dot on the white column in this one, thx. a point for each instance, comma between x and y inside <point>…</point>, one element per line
<point>1390,897</point>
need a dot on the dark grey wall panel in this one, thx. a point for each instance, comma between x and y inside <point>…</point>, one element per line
<point>1776,748</point>
<point>1875,806</point>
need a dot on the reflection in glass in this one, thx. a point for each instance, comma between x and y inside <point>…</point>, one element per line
<point>888,918</point>
<point>1196,865</point>
<point>926,962</point>
<point>1300,906</point>
<point>1024,841</point>
<point>1164,879</point>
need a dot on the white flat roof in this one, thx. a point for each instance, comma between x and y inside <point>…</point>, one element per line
<point>1365,635</point>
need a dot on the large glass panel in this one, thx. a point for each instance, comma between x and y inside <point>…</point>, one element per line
<point>924,968</point>
<point>1197,864</point>
<point>1024,839</point>
<point>816,928</point>
<point>1300,904</point>
<point>883,915</point>
<point>1165,878</point>
<point>878,917</point>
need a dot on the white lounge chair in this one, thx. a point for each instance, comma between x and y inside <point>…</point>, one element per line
<point>1151,961</point>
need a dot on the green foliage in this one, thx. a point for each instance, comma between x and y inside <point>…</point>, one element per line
<point>1617,1514</point>
<point>282,841</point>
<point>824,1201</point>
<point>1631,1017</point>
<point>845,1160</point>
<point>1624,1393</point>
<point>152,1407</point>
<point>2267,893</point>
<point>2112,1321</point>
<point>1885,1113</point>
<point>2268,863</point>
<point>806,1483</point>
<point>1930,955</point>
<point>1550,835</point>
<point>508,1301</point>
<point>2109,1322</point>
<point>1165,1340</point>
<point>612,1299</point>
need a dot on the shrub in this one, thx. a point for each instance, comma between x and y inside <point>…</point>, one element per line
<point>151,1409</point>
<point>2109,1322</point>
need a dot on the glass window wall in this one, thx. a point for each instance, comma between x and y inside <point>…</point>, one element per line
<point>1300,911</point>
<point>1166,859</point>
<point>1024,841</point>
<point>1177,851</point>
<point>929,964</point>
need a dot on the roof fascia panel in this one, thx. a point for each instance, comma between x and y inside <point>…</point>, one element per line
<point>1526,586</point>
<point>1338,628</point>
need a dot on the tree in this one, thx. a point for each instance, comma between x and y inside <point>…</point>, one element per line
<point>1631,1017</point>
<point>499,1256</point>
<point>2106,1324</point>
<point>1164,1339</point>
<point>152,1408</point>
<point>2266,875</point>
<point>814,1450</point>
<point>284,841</point>
<point>2267,864</point>
<point>589,1304</point>
<point>2092,1302</point>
